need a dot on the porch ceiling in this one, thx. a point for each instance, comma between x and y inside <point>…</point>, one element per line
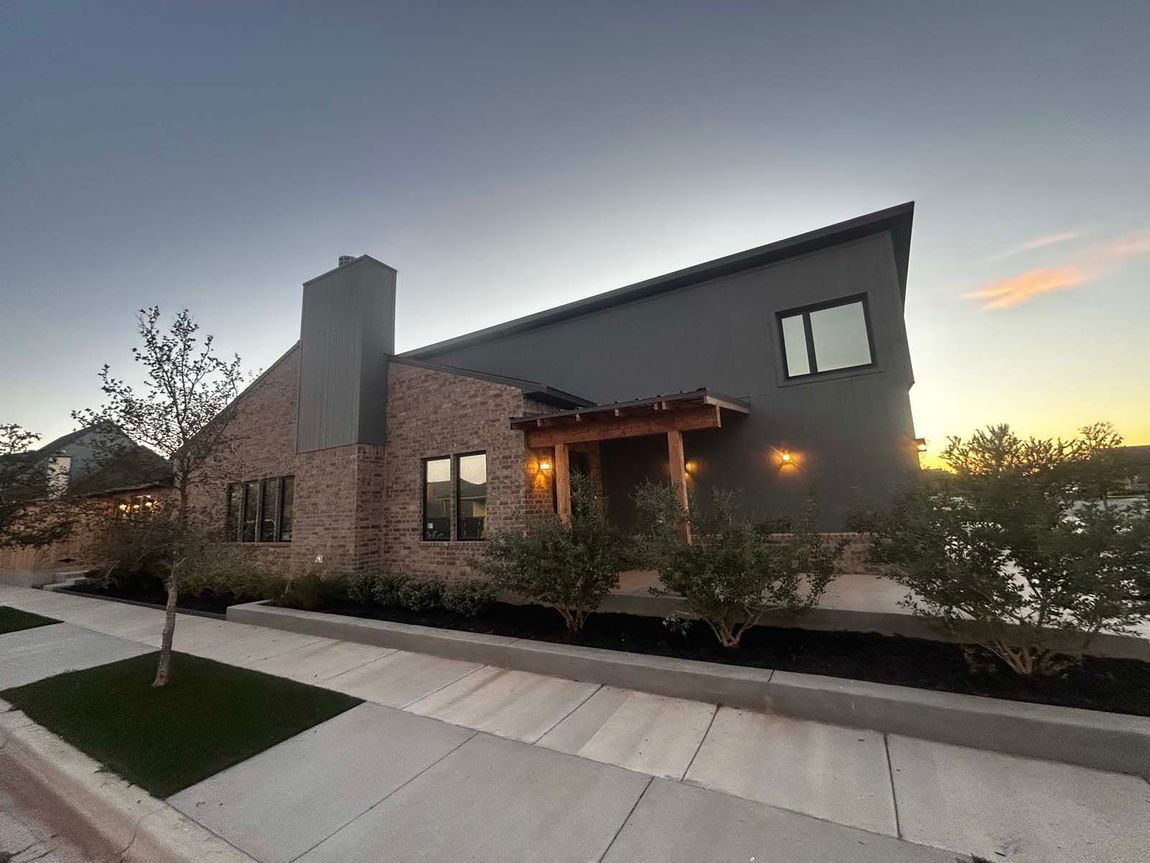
<point>698,409</point>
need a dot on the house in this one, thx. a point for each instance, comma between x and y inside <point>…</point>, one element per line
<point>783,370</point>
<point>98,464</point>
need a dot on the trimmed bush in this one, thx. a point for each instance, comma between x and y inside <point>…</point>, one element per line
<point>570,566</point>
<point>418,594</point>
<point>468,597</point>
<point>387,589</point>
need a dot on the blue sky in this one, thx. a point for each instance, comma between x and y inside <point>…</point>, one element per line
<point>507,157</point>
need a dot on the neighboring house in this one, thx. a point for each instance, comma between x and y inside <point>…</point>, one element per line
<point>104,467</point>
<point>783,370</point>
<point>1137,480</point>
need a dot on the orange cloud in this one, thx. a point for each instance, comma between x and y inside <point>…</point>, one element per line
<point>1021,287</point>
<point>1100,260</point>
<point>1037,243</point>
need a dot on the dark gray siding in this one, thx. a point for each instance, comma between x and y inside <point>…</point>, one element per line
<point>347,332</point>
<point>851,432</point>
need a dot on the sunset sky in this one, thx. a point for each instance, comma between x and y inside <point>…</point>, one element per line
<point>508,157</point>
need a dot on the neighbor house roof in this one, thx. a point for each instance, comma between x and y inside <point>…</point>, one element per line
<point>127,471</point>
<point>895,220</point>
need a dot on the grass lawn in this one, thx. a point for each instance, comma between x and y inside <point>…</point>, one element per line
<point>209,716</point>
<point>13,620</point>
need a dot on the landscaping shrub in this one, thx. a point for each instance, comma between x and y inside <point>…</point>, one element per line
<point>570,566</point>
<point>419,594</point>
<point>388,589</point>
<point>467,597</point>
<point>1004,546</point>
<point>360,586</point>
<point>313,590</point>
<point>733,570</point>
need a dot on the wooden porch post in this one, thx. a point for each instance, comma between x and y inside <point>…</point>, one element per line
<point>562,483</point>
<point>678,469</point>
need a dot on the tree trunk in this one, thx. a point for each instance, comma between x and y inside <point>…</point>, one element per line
<point>165,663</point>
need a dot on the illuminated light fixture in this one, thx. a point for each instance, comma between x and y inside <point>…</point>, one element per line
<point>920,444</point>
<point>123,507</point>
<point>786,456</point>
<point>545,465</point>
<point>691,466</point>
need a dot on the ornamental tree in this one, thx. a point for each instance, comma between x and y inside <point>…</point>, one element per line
<point>182,410</point>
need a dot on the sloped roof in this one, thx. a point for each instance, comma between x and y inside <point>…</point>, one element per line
<point>531,389</point>
<point>132,469</point>
<point>896,220</point>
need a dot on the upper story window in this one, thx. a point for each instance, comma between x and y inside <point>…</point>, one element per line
<point>826,337</point>
<point>260,510</point>
<point>455,497</point>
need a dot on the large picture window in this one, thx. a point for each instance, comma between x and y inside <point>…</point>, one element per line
<point>827,337</point>
<point>437,499</point>
<point>471,495</point>
<point>260,510</point>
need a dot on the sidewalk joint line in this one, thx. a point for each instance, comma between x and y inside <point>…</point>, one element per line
<point>396,790</point>
<point>702,740</point>
<point>630,812</point>
<point>559,721</point>
<point>890,776</point>
<point>441,688</point>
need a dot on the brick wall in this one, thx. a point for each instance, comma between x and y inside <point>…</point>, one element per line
<point>433,413</point>
<point>337,506</point>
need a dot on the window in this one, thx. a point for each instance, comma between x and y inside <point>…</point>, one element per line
<point>260,510</point>
<point>137,507</point>
<point>437,499</point>
<point>826,337</point>
<point>471,495</point>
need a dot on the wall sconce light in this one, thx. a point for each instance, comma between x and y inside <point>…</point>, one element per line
<point>786,457</point>
<point>691,466</point>
<point>544,465</point>
<point>920,444</point>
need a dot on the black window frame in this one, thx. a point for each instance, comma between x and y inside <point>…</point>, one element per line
<point>808,335</point>
<point>423,498</point>
<point>456,498</point>
<point>235,532</point>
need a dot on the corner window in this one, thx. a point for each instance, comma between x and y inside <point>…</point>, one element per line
<point>437,499</point>
<point>471,495</point>
<point>260,510</point>
<point>827,337</point>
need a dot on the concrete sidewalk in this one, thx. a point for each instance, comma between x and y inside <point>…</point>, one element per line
<point>451,759</point>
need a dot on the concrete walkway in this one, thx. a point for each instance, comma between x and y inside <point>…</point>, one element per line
<point>455,760</point>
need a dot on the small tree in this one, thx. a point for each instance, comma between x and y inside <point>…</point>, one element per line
<point>570,566</point>
<point>1001,547</point>
<point>1102,462</point>
<point>183,411</point>
<point>733,571</point>
<point>26,516</point>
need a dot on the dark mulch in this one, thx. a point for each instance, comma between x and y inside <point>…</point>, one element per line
<point>14,620</point>
<point>1116,685</point>
<point>208,717</point>
<point>151,592</point>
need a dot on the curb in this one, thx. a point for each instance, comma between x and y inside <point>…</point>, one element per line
<point>1088,738</point>
<point>113,811</point>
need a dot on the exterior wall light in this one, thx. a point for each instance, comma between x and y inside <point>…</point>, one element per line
<point>691,466</point>
<point>786,457</point>
<point>920,444</point>
<point>544,465</point>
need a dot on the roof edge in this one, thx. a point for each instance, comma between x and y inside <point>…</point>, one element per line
<point>896,220</point>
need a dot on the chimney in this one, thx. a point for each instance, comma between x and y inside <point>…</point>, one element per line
<point>347,332</point>
<point>59,473</point>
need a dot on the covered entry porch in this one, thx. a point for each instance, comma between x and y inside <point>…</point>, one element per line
<point>662,419</point>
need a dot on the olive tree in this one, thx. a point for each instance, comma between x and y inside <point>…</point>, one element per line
<point>1003,548</point>
<point>731,569</point>
<point>569,565</point>
<point>183,410</point>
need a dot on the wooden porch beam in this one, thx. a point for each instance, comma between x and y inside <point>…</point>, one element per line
<point>677,464</point>
<point>656,422</point>
<point>562,471</point>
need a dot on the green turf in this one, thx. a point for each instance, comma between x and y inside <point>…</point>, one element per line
<point>13,619</point>
<point>209,716</point>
